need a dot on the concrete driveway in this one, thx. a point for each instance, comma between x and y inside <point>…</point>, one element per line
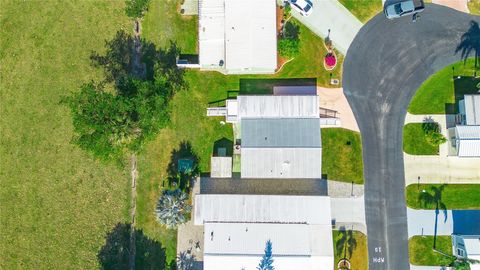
<point>384,66</point>
<point>330,14</point>
<point>334,99</point>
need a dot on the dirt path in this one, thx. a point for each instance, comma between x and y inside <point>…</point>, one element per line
<point>138,69</point>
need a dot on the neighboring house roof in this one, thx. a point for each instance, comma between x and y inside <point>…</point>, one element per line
<point>281,148</point>
<point>472,109</point>
<point>278,107</point>
<point>241,245</point>
<point>262,209</point>
<point>470,245</point>
<point>241,33</point>
<point>237,228</point>
<point>281,133</point>
<point>467,141</point>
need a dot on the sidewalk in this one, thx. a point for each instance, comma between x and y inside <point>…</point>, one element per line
<point>330,14</point>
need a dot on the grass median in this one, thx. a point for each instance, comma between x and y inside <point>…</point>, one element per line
<point>454,196</point>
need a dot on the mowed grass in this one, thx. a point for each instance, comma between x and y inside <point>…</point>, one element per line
<point>364,10</point>
<point>359,259</point>
<point>414,141</point>
<point>454,196</point>
<point>56,202</point>
<point>342,155</point>
<point>421,252</point>
<point>163,24</point>
<point>474,7</point>
<point>440,93</point>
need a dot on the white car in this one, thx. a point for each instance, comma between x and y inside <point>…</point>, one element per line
<point>304,7</point>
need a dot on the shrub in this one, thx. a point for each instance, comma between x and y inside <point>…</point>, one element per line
<point>289,42</point>
<point>135,8</point>
<point>172,208</point>
<point>432,133</point>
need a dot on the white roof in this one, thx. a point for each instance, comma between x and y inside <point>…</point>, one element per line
<point>472,245</point>
<point>262,208</point>
<point>472,109</point>
<point>243,244</point>
<point>468,141</point>
<point>241,33</point>
<point>221,167</point>
<point>281,162</point>
<point>214,262</point>
<point>251,35</point>
<point>211,35</point>
<point>278,107</point>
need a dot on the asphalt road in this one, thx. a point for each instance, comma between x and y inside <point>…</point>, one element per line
<point>385,64</point>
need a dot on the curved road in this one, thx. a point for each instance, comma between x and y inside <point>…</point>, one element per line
<point>384,66</point>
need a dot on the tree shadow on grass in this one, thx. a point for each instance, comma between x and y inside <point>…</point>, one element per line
<point>183,167</point>
<point>115,253</point>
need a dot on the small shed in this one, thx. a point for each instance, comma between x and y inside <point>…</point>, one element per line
<point>221,167</point>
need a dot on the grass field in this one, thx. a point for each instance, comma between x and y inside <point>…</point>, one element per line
<point>440,93</point>
<point>359,259</point>
<point>414,141</point>
<point>364,10</point>
<point>421,252</point>
<point>474,6</point>
<point>56,203</point>
<point>454,196</point>
<point>342,155</point>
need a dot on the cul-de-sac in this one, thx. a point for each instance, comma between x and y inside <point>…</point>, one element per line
<point>240,134</point>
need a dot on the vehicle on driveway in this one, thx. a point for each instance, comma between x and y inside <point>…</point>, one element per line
<point>403,8</point>
<point>304,7</point>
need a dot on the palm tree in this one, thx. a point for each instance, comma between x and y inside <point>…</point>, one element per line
<point>172,208</point>
<point>346,244</point>
<point>429,199</point>
<point>267,262</point>
<point>463,264</point>
<point>470,40</point>
<point>185,261</point>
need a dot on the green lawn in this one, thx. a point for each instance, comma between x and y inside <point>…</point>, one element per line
<point>342,155</point>
<point>454,196</point>
<point>421,252</point>
<point>474,7</point>
<point>56,202</point>
<point>414,142</point>
<point>440,93</point>
<point>188,109</point>
<point>359,259</point>
<point>364,10</point>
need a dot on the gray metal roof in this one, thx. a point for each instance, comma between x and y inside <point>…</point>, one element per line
<point>281,133</point>
<point>472,109</point>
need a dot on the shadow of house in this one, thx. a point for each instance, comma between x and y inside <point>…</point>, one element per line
<point>115,253</point>
<point>462,85</point>
<point>183,167</point>
<point>266,86</point>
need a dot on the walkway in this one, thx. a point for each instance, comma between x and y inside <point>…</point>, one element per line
<point>330,14</point>
<point>334,99</point>
<point>460,5</point>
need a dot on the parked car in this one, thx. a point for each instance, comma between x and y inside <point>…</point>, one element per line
<point>304,7</point>
<point>403,8</point>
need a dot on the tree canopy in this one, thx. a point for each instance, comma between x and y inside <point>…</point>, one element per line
<point>135,8</point>
<point>109,122</point>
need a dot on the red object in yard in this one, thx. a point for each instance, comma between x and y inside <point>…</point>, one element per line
<point>330,60</point>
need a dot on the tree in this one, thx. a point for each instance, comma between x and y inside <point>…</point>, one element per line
<point>434,198</point>
<point>185,261</point>
<point>346,244</point>
<point>267,261</point>
<point>109,123</point>
<point>136,8</point>
<point>470,41</point>
<point>172,208</point>
<point>432,133</point>
<point>289,42</point>
<point>463,263</point>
